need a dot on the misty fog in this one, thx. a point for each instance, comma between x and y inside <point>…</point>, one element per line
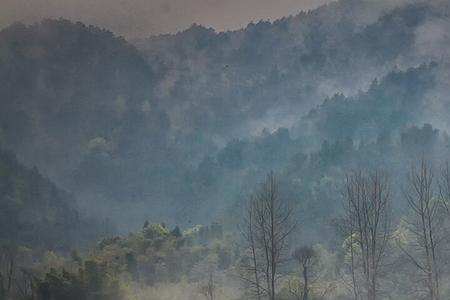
<point>291,151</point>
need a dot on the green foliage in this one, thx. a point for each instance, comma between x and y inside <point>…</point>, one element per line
<point>117,266</point>
<point>292,289</point>
<point>155,231</point>
<point>156,255</point>
<point>350,245</point>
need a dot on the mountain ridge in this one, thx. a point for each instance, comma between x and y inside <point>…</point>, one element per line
<point>118,123</point>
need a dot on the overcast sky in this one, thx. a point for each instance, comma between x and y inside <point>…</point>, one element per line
<point>139,18</point>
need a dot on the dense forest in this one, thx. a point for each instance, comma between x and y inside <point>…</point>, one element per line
<point>299,159</point>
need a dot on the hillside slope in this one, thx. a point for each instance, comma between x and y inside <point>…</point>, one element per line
<point>117,124</point>
<point>37,214</point>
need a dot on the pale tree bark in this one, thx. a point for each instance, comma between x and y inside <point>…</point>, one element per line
<point>366,226</point>
<point>268,225</point>
<point>424,226</point>
<point>251,270</point>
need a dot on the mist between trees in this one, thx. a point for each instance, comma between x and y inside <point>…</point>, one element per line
<point>377,255</point>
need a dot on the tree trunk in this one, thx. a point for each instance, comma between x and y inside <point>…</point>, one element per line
<point>305,283</point>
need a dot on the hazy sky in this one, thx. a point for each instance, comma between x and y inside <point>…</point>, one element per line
<point>137,18</point>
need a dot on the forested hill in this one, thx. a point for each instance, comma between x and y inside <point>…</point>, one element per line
<point>172,126</point>
<point>63,84</point>
<point>368,130</point>
<point>76,102</point>
<point>36,214</point>
<point>315,144</point>
<point>269,74</point>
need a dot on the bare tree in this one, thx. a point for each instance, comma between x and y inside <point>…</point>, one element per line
<point>307,259</point>
<point>312,272</point>
<point>366,225</point>
<point>208,290</point>
<point>252,266</point>
<point>424,226</point>
<point>205,273</point>
<point>444,188</point>
<point>267,226</point>
<point>26,285</point>
<point>8,262</point>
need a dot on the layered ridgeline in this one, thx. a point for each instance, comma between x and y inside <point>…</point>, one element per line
<point>34,213</point>
<point>369,130</point>
<point>173,126</point>
<point>76,102</point>
<point>269,74</point>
